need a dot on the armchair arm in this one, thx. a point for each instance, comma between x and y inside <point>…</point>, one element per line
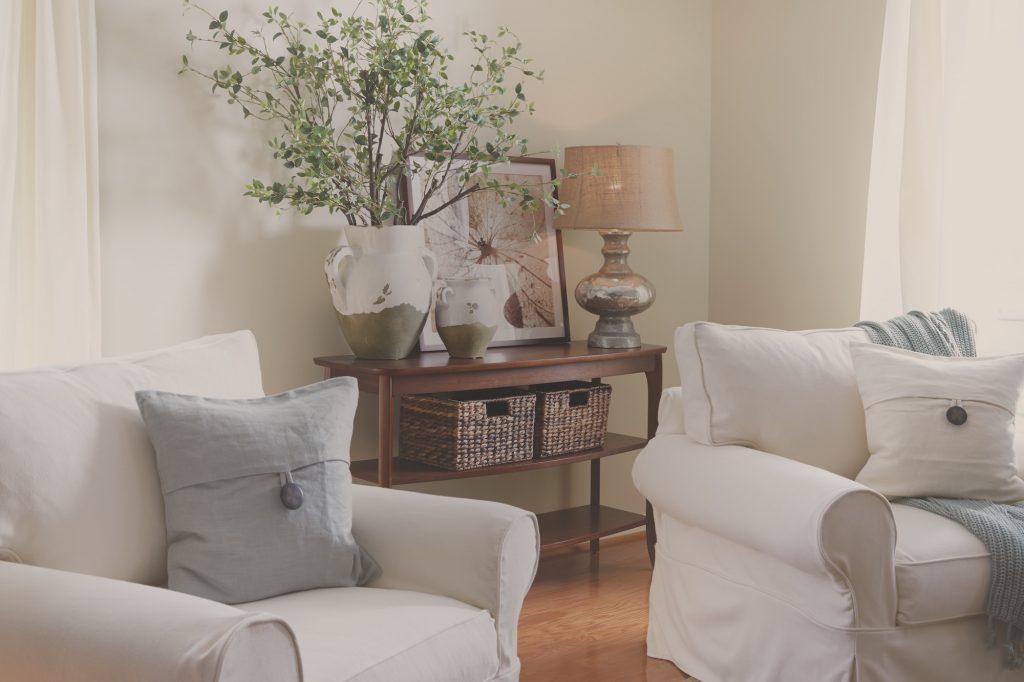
<point>806,517</point>
<point>481,553</point>
<point>56,625</point>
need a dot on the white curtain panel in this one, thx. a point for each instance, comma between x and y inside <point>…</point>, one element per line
<point>49,216</point>
<point>945,217</point>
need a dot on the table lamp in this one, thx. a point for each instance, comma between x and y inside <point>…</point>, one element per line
<point>617,190</point>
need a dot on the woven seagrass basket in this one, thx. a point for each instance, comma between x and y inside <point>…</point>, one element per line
<point>469,429</point>
<point>571,416</point>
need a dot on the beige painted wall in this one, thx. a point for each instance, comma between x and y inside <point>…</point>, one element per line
<point>793,93</point>
<point>184,254</point>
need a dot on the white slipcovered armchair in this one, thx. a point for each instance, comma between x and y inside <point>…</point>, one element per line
<point>82,554</point>
<point>779,567</point>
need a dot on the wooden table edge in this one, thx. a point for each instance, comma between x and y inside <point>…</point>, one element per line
<point>354,366</point>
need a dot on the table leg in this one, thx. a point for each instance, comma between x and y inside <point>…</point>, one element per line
<point>653,398</point>
<point>385,431</point>
<point>595,498</point>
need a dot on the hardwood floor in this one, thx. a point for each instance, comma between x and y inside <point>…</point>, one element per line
<point>585,619</point>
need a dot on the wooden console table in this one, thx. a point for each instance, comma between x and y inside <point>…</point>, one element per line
<point>503,367</point>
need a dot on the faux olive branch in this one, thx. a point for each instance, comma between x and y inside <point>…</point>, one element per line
<point>364,100</point>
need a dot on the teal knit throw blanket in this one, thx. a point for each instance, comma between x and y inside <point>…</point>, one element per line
<point>1000,527</point>
<point>948,332</point>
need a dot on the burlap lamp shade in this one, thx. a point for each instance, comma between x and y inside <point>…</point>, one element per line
<point>620,188</point>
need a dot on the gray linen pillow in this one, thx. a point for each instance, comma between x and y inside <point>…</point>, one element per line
<point>225,467</point>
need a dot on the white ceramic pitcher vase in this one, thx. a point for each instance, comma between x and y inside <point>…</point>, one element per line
<point>466,314</point>
<point>381,283</point>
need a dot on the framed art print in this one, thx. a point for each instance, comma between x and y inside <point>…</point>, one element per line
<point>518,250</point>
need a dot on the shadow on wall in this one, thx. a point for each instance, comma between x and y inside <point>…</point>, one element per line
<point>275,286</point>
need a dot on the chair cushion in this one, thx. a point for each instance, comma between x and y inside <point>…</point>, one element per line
<point>793,394</point>
<point>379,635</point>
<point>942,570</point>
<point>78,482</point>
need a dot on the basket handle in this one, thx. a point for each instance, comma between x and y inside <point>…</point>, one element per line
<point>579,398</point>
<point>498,408</point>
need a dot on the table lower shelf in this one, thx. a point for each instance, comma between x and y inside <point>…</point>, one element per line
<point>405,471</point>
<point>578,524</point>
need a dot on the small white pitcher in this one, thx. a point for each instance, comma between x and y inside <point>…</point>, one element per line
<point>467,316</point>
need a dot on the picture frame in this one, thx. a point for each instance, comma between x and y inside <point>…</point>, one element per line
<point>519,251</point>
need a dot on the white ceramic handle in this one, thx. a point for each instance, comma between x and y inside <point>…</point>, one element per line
<point>444,293</point>
<point>335,261</point>
<point>336,268</point>
<point>430,260</point>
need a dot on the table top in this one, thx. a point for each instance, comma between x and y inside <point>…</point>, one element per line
<point>534,355</point>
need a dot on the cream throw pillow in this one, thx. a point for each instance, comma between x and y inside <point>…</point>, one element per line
<point>914,405</point>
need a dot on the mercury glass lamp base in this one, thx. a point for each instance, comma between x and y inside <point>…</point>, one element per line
<point>615,293</point>
<point>614,331</point>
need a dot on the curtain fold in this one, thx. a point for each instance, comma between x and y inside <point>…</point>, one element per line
<point>945,216</point>
<point>49,213</point>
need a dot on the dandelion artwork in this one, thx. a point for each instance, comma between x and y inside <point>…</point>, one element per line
<point>514,246</point>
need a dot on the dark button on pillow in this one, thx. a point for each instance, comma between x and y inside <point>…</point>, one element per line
<point>291,495</point>
<point>956,415</point>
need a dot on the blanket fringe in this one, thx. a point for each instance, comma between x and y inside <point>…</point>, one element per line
<point>1013,643</point>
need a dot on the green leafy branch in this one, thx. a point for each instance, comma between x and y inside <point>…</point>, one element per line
<point>365,101</point>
